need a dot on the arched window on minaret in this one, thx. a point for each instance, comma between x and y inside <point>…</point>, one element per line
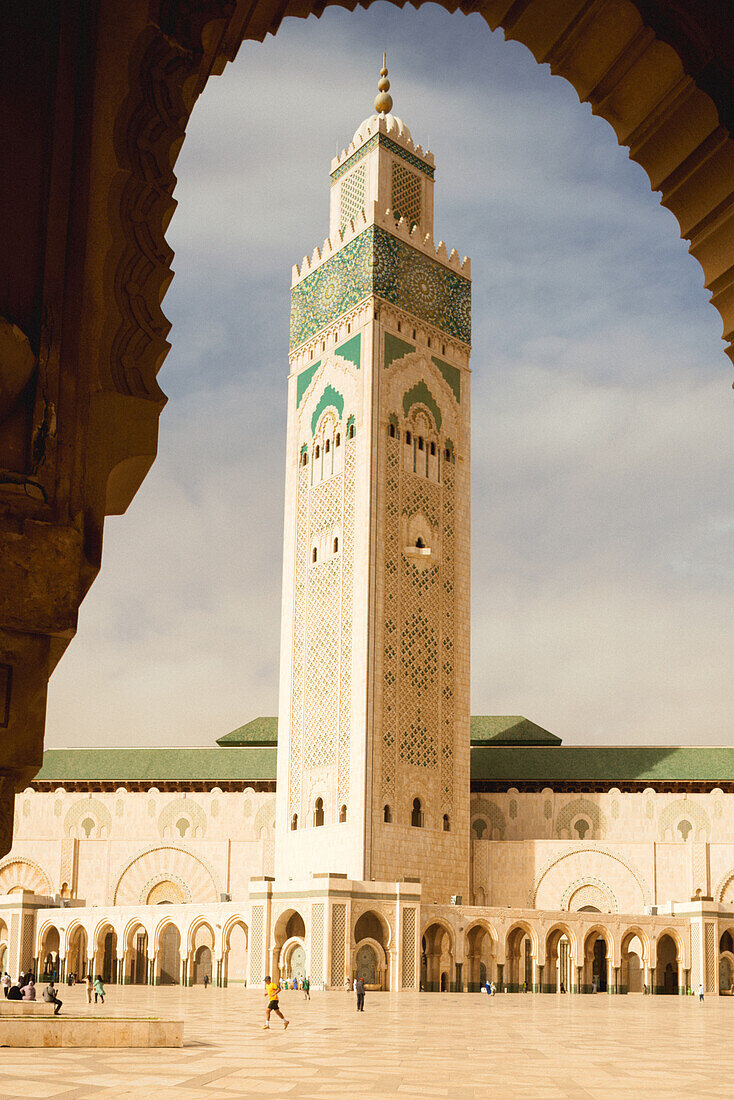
<point>318,812</point>
<point>387,815</point>
<point>446,823</point>
<point>343,814</point>
<point>294,823</point>
<point>336,545</point>
<point>416,818</point>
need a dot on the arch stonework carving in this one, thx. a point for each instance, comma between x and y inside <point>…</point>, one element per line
<point>179,808</point>
<point>88,807</point>
<point>490,811</point>
<point>580,849</point>
<point>155,865</point>
<point>683,809</point>
<point>26,873</point>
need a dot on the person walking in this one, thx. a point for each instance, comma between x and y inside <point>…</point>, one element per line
<point>90,988</point>
<point>359,990</point>
<point>98,989</point>
<point>307,988</point>
<point>7,982</point>
<point>700,991</point>
<point>272,990</point>
<point>206,981</point>
<point>49,996</point>
<point>28,991</point>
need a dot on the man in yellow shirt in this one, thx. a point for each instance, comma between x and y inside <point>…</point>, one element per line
<point>272,990</point>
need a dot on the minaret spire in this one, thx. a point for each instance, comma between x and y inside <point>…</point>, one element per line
<point>383,101</point>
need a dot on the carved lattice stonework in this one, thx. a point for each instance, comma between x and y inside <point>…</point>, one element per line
<point>257,944</point>
<point>297,673</point>
<point>408,948</point>
<point>338,944</point>
<point>317,943</point>
<point>352,195</point>
<point>406,194</point>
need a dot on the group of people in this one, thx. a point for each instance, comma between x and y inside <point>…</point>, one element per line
<point>489,988</point>
<point>25,990</point>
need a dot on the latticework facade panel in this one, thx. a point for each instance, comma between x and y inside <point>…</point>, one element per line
<point>351,196</point>
<point>408,948</point>
<point>317,943</point>
<point>406,194</point>
<point>338,944</point>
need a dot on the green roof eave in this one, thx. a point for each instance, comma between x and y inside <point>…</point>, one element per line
<point>260,731</point>
<point>207,765</point>
<point>614,765</point>
<point>510,729</point>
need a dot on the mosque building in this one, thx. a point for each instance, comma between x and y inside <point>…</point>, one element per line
<point>375,828</point>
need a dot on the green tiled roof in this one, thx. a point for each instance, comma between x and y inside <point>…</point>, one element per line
<point>614,765</point>
<point>509,730</point>
<point>208,765</point>
<point>260,731</point>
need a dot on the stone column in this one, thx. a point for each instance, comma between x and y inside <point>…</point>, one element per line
<point>682,984</point>
<point>579,968</point>
<point>151,975</point>
<point>500,977</point>
<point>537,976</point>
<point>120,969</point>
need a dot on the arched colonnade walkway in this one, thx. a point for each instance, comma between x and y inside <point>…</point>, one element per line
<point>547,952</point>
<point>150,945</point>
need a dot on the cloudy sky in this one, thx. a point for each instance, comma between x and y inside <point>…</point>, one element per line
<point>603,451</point>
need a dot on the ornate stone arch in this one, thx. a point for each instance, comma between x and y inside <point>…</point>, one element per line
<point>683,809</point>
<point>85,808</point>
<point>265,816</point>
<point>20,871</point>
<point>581,807</point>
<point>178,808</point>
<point>589,891</point>
<point>163,863</point>
<point>580,848</point>
<point>725,886</point>
<point>489,811</point>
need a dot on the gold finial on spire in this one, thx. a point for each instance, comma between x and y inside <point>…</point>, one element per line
<point>383,101</point>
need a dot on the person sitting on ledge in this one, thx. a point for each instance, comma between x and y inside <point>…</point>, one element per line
<point>28,992</point>
<point>14,993</point>
<point>49,996</point>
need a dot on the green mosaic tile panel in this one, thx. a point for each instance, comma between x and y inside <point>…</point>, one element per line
<point>352,350</point>
<point>451,374</point>
<point>378,263</point>
<point>387,143</point>
<point>420,392</point>
<point>395,348</point>
<point>303,381</point>
<point>330,396</point>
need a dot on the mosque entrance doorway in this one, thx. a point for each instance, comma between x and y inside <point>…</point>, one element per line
<point>107,965</point>
<point>76,955</point>
<point>366,966</point>
<point>437,959</point>
<point>596,951</point>
<point>666,971</point>
<point>138,955</point>
<point>169,956</point>
<point>634,954</point>
<point>726,964</point>
<point>202,964</point>
<point>50,954</point>
<point>295,962</point>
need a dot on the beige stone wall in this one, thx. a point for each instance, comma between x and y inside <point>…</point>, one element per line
<point>92,846</point>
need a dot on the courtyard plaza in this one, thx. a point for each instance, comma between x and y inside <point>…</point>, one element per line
<point>408,1044</point>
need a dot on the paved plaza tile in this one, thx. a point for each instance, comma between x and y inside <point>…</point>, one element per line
<point>417,1045</point>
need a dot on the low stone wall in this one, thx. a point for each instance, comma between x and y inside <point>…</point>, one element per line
<point>26,1008</point>
<point>80,1031</point>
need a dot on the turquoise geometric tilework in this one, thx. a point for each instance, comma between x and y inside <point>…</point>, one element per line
<point>387,143</point>
<point>451,374</point>
<point>304,380</point>
<point>378,263</point>
<point>330,396</point>
<point>420,392</point>
<point>352,350</point>
<point>395,348</point>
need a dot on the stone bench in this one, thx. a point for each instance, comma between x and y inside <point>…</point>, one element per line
<point>82,1031</point>
<point>26,1008</point>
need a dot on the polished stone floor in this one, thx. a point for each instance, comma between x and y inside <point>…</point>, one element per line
<point>408,1045</point>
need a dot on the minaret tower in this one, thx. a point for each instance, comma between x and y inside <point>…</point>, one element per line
<point>373,742</point>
